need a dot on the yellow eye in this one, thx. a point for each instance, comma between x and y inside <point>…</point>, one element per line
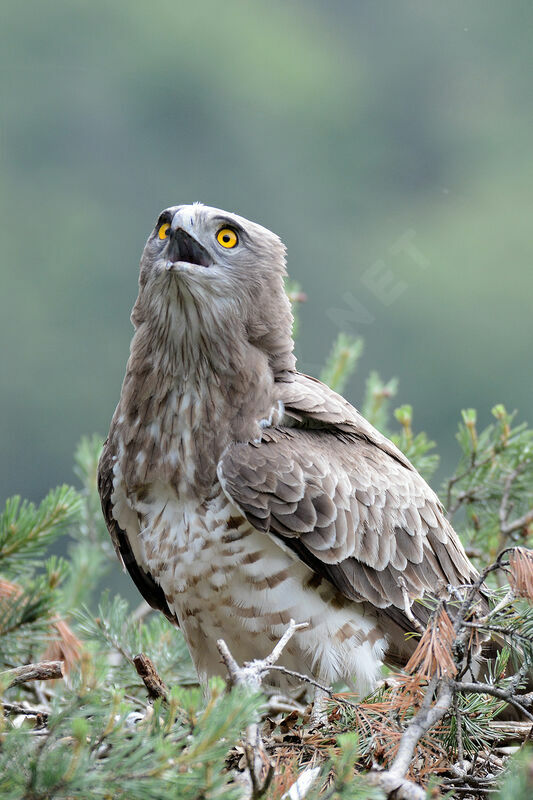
<point>227,237</point>
<point>163,231</point>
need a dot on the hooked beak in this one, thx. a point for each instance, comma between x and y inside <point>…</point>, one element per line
<point>183,247</point>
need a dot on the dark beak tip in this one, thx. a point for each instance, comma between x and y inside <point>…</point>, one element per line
<point>184,247</point>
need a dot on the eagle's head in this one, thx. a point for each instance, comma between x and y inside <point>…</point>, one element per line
<point>214,273</point>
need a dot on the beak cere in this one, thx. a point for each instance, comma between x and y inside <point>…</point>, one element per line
<point>183,247</point>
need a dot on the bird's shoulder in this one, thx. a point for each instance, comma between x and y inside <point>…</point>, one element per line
<point>309,403</point>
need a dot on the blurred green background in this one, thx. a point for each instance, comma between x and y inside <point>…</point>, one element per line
<point>389,144</point>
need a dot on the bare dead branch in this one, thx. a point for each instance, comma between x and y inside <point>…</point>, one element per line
<point>287,636</point>
<point>301,677</point>
<point>424,720</point>
<point>234,671</point>
<point>399,788</point>
<point>150,677</point>
<point>40,671</point>
<point>260,769</point>
<point>517,524</point>
<point>252,672</point>
<point>18,708</point>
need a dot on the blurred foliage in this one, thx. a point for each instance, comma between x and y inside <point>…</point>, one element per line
<point>396,134</point>
<point>342,362</point>
<point>518,784</point>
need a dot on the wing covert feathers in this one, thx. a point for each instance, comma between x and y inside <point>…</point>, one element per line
<point>346,501</point>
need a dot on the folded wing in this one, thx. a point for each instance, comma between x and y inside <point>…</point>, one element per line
<point>346,500</point>
<point>149,589</point>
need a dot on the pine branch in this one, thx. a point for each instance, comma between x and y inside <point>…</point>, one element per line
<point>342,361</point>
<point>524,702</point>
<point>26,531</point>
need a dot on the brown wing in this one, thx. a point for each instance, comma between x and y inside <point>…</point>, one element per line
<point>149,589</point>
<point>313,404</point>
<point>346,500</point>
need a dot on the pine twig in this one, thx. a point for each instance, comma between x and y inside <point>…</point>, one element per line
<point>457,478</point>
<point>505,510</point>
<point>510,526</point>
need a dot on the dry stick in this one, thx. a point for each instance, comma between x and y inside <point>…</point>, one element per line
<point>459,732</point>
<point>302,677</point>
<point>287,636</point>
<point>302,785</point>
<point>487,783</point>
<point>311,681</point>
<point>251,675</point>
<point>17,708</point>
<point>150,677</point>
<point>518,523</point>
<point>41,671</point>
<point>252,672</point>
